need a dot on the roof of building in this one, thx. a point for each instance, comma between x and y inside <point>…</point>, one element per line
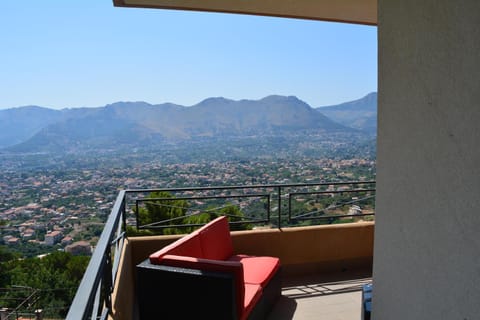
<point>351,11</point>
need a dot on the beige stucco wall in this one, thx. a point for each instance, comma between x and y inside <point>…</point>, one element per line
<point>332,248</point>
<point>427,237</point>
<point>329,246</point>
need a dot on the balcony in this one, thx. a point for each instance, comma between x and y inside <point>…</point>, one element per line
<point>325,260</point>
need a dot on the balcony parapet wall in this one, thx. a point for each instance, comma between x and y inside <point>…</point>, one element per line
<point>312,249</point>
<point>324,245</point>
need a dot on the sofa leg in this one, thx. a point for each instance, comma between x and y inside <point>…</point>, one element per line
<point>165,292</point>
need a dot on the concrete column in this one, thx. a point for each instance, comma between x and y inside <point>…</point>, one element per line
<point>427,233</point>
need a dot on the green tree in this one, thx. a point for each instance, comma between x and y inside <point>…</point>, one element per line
<point>159,210</point>
<point>53,279</point>
<point>163,209</point>
<point>6,254</point>
<point>234,214</point>
<point>202,218</point>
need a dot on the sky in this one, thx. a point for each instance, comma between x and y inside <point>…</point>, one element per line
<point>66,54</point>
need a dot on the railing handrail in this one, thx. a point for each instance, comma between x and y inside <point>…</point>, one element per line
<point>253,186</point>
<point>101,272</point>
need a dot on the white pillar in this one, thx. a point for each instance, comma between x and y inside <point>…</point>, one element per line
<point>427,232</point>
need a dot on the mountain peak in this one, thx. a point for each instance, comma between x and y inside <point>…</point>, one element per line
<point>275,97</point>
<point>359,114</point>
<point>214,101</point>
<point>29,108</point>
<point>286,101</point>
<point>128,104</point>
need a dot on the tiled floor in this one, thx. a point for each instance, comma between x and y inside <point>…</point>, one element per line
<point>331,297</point>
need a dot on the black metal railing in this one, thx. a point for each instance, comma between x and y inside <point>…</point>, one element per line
<point>192,211</point>
<point>283,205</point>
<point>279,202</point>
<point>27,301</point>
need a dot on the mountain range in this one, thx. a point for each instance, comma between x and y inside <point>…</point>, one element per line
<point>39,129</point>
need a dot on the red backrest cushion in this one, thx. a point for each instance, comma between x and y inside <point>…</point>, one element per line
<point>234,267</point>
<point>189,245</point>
<point>215,239</point>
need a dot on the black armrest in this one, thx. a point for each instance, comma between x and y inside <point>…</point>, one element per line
<point>165,292</point>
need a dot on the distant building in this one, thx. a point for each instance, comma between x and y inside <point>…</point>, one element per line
<point>79,248</point>
<point>53,237</point>
<point>131,221</point>
<point>28,233</point>
<point>66,241</point>
<point>355,210</point>
<point>13,241</point>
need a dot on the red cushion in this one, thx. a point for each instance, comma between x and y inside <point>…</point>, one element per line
<point>215,239</point>
<point>234,267</point>
<point>257,270</point>
<point>189,245</point>
<point>253,293</point>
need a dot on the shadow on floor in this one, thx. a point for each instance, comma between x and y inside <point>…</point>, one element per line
<point>299,288</point>
<point>284,309</point>
<point>311,285</point>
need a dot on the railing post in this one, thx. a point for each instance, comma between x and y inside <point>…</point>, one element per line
<point>289,208</point>
<point>107,279</point>
<point>38,314</point>
<point>124,214</point>
<point>3,313</point>
<point>269,207</point>
<point>137,215</point>
<point>279,207</point>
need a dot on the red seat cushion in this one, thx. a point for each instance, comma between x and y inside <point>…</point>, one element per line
<point>257,270</point>
<point>216,240</point>
<point>189,246</point>
<point>253,293</point>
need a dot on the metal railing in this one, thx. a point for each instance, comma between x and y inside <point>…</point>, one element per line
<point>24,309</point>
<point>328,202</point>
<point>93,297</point>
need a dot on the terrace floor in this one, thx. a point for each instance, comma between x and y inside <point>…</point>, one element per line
<point>326,296</point>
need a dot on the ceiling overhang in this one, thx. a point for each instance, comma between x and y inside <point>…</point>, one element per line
<point>350,11</point>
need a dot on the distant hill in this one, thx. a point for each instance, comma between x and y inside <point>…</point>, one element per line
<point>360,114</point>
<point>131,123</point>
<point>20,124</point>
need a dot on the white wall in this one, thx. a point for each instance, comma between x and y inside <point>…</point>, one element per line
<point>427,234</point>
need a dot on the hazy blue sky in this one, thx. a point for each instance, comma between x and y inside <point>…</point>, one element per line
<point>58,53</point>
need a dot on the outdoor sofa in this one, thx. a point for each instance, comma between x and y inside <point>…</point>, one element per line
<point>200,277</point>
